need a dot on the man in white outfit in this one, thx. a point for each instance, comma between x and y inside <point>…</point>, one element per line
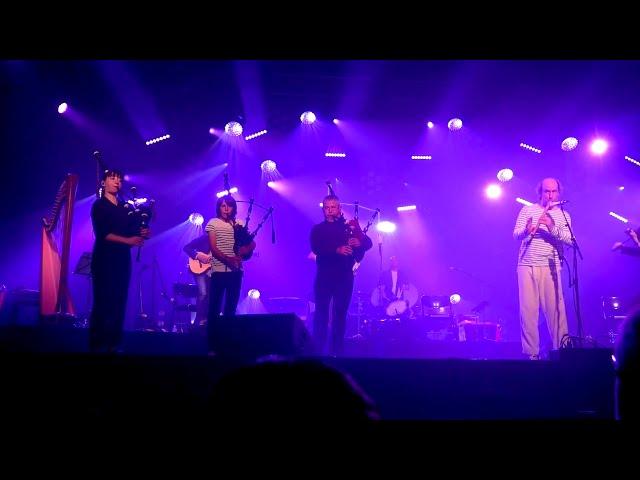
<point>542,230</point>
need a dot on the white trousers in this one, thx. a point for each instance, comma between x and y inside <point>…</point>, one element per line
<point>540,287</point>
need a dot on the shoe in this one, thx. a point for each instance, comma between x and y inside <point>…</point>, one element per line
<point>534,357</point>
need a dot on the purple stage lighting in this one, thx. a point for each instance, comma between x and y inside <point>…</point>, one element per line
<point>308,118</point>
<point>569,144</point>
<point>386,227</point>
<point>268,166</point>
<point>254,135</point>
<point>529,147</point>
<point>632,160</point>
<point>336,121</point>
<point>63,107</point>
<point>455,299</point>
<point>331,154</point>
<point>505,175</point>
<point>493,191</point>
<point>420,157</point>
<point>196,218</point>
<point>430,124</point>
<point>271,184</point>
<point>227,192</point>
<point>233,128</point>
<point>406,208</point>
<point>599,146</point>
<point>619,217</point>
<point>157,139</point>
<point>254,293</point>
<point>454,124</point>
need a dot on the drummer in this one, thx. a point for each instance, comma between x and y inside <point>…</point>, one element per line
<point>393,282</point>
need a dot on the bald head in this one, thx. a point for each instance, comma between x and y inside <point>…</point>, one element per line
<point>549,190</point>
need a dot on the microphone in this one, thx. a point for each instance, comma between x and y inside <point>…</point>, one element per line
<point>561,202</point>
<point>356,210</point>
<point>97,154</point>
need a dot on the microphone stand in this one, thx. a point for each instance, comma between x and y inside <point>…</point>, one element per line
<point>573,279</point>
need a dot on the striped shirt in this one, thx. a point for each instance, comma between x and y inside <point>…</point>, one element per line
<point>224,241</point>
<point>543,248</point>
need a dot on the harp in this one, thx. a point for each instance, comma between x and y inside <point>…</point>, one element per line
<point>55,298</point>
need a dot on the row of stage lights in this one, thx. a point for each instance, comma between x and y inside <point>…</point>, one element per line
<point>598,146</point>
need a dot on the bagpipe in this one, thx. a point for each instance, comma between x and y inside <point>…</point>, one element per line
<point>352,227</point>
<point>241,235</point>
<point>139,209</point>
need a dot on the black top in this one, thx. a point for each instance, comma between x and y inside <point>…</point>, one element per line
<point>198,244</point>
<point>326,237</point>
<point>109,218</point>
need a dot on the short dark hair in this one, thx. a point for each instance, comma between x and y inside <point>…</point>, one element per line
<point>229,200</point>
<point>112,173</point>
<point>330,197</point>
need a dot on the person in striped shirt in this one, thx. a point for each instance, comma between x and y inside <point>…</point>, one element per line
<point>542,230</point>
<point>226,265</point>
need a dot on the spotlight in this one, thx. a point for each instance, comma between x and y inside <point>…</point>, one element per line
<point>505,174</point>
<point>336,121</point>
<point>632,160</point>
<point>308,118</point>
<point>454,124</point>
<point>233,128</point>
<point>493,191</point>
<point>254,135</point>
<point>63,107</point>
<point>420,157</point>
<point>386,227</point>
<point>227,192</point>
<point>196,218</point>
<point>430,124</point>
<point>254,293</point>
<point>529,147</point>
<point>455,299</point>
<point>268,166</point>
<point>406,208</point>
<point>157,139</point>
<point>271,184</point>
<point>330,154</point>
<point>619,217</point>
<point>599,146</point>
<point>569,144</point>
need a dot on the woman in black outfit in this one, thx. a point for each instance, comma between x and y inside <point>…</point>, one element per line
<point>116,232</point>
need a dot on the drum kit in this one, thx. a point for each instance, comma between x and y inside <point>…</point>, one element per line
<point>389,314</point>
<point>398,305</point>
<point>409,315</point>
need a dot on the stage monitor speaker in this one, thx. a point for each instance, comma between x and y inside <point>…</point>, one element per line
<point>261,334</point>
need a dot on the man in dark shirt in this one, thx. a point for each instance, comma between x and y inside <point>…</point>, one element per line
<point>200,250</point>
<point>336,245</point>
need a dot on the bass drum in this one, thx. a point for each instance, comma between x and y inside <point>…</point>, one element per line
<point>396,308</point>
<point>410,294</point>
